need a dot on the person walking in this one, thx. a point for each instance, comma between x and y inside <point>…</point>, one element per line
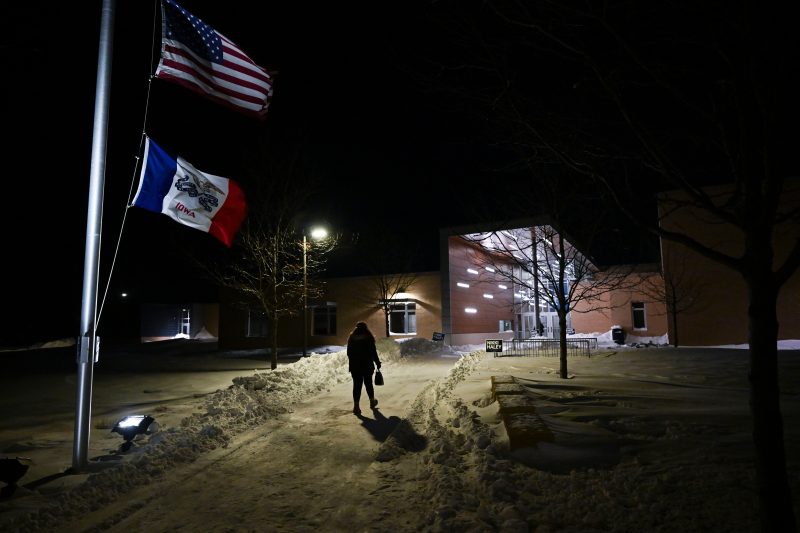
<point>362,359</point>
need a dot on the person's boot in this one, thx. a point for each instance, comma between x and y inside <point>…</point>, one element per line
<point>373,402</point>
<point>356,409</point>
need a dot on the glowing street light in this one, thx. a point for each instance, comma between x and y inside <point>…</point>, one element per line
<point>317,233</point>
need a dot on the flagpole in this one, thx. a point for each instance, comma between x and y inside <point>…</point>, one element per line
<point>88,341</point>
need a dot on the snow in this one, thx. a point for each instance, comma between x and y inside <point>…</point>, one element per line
<point>647,438</point>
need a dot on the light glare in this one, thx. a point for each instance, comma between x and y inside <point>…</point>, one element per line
<point>131,421</point>
<point>319,233</point>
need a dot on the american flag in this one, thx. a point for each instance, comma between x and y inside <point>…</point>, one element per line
<point>198,57</point>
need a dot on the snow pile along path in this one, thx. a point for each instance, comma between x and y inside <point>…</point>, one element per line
<point>250,401</point>
<point>230,420</point>
<point>438,489</point>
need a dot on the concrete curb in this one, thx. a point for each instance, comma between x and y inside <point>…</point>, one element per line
<point>523,424</point>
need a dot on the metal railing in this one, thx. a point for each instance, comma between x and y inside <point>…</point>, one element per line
<point>547,347</point>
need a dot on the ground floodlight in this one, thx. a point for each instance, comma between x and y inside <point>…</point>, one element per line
<point>132,425</point>
<point>11,470</point>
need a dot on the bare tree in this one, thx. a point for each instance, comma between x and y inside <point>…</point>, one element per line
<point>678,97</point>
<point>391,270</point>
<point>265,273</point>
<point>387,287</point>
<point>265,267</point>
<point>542,265</point>
<point>677,287</point>
<point>554,268</point>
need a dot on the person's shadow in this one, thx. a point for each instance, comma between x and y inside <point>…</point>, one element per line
<point>380,427</point>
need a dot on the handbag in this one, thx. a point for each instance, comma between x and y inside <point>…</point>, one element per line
<point>378,378</point>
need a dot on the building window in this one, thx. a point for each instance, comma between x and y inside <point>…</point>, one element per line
<point>403,318</point>
<point>256,323</point>
<point>505,325</point>
<point>323,319</point>
<point>637,308</point>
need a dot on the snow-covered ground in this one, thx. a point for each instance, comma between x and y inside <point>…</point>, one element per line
<point>646,439</point>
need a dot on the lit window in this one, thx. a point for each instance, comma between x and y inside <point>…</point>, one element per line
<point>465,285</point>
<point>502,286</point>
<point>323,319</point>
<point>403,318</point>
<point>186,322</point>
<point>489,296</point>
<point>472,271</point>
<point>637,309</point>
<point>470,310</point>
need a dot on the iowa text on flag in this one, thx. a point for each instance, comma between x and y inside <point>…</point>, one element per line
<point>202,201</point>
<point>196,56</point>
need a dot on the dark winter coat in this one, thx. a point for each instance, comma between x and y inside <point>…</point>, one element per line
<point>362,355</point>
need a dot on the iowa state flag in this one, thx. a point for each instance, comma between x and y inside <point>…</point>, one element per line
<point>189,196</point>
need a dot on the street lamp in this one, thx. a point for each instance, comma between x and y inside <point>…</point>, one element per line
<point>317,233</point>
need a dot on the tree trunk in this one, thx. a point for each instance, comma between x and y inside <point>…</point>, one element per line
<point>777,513</point>
<point>273,326</point>
<point>562,342</point>
<point>675,322</point>
<point>563,309</point>
<point>536,309</point>
<point>386,323</point>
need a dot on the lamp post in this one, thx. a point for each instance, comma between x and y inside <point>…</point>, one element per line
<point>317,233</point>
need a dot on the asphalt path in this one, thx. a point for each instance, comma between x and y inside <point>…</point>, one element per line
<point>312,469</point>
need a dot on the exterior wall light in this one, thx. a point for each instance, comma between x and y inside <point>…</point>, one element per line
<point>472,271</point>
<point>489,269</point>
<point>402,294</point>
<point>465,285</point>
<point>487,295</point>
<point>131,426</point>
<point>470,310</point>
<point>504,287</point>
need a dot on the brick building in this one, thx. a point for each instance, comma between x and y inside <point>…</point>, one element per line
<point>468,301</point>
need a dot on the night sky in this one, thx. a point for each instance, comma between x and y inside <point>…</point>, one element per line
<point>352,97</point>
<point>343,98</point>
